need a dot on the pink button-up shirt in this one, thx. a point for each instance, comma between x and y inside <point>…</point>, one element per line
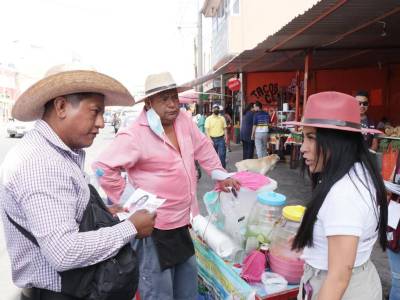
<point>154,165</point>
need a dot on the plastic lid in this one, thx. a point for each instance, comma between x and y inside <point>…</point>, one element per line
<point>293,212</point>
<point>271,198</point>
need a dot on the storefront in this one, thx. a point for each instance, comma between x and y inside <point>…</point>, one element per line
<point>273,89</point>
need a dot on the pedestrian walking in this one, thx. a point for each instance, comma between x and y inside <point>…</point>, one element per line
<point>216,129</point>
<point>158,152</point>
<point>246,131</point>
<point>347,213</point>
<point>260,130</point>
<point>229,128</point>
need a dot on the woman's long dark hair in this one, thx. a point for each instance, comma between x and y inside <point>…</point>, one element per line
<point>340,150</point>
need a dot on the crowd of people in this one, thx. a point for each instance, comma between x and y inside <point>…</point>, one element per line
<point>44,191</point>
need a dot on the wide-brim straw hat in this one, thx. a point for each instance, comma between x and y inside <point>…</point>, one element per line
<point>333,110</point>
<point>63,80</point>
<point>158,83</point>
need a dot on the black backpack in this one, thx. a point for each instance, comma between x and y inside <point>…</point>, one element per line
<point>113,279</point>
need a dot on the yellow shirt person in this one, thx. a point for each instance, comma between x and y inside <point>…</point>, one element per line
<point>215,126</point>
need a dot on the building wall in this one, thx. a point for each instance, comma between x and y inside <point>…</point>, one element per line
<point>383,86</point>
<point>257,19</point>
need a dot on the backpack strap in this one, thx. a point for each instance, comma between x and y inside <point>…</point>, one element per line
<point>25,232</point>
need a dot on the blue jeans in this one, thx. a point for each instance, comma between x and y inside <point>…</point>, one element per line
<point>394,262</point>
<point>177,283</point>
<point>220,147</point>
<point>261,143</point>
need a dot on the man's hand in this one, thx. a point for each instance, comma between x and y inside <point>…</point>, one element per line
<point>144,222</point>
<point>229,182</point>
<point>115,208</point>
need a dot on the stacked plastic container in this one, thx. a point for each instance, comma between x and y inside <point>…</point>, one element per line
<point>282,259</point>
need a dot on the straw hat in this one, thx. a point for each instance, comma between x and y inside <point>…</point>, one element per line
<point>333,110</point>
<point>62,80</point>
<point>158,83</point>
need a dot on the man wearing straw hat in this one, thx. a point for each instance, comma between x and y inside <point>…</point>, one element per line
<point>158,152</point>
<point>43,188</point>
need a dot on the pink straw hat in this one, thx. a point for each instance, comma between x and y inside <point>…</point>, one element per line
<point>333,110</point>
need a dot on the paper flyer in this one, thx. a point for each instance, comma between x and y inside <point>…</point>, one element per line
<point>140,199</point>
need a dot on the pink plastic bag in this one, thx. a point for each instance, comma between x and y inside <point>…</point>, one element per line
<point>253,266</point>
<point>252,181</point>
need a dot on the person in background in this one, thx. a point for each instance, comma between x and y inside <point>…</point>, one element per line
<point>158,152</point>
<point>215,126</point>
<point>383,123</point>
<point>363,101</point>
<point>229,127</point>
<point>200,121</point>
<point>348,210</point>
<point>260,130</point>
<point>246,131</point>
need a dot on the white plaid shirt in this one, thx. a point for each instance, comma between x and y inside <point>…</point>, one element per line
<point>43,188</point>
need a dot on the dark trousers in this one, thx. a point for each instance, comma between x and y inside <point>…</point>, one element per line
<point>248,149</point>
<point>220,147</point>
<point>41,294</point>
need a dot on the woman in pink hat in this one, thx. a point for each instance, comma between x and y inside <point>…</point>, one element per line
<point>347,213</point>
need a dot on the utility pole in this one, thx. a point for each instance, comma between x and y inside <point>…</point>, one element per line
<point>200,55</point>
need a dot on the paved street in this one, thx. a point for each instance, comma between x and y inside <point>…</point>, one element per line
<point>290,183</point>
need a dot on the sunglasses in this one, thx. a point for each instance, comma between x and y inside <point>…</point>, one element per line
<point>364,103</point>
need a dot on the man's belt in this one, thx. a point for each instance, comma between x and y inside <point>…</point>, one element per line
<point>217,137</point>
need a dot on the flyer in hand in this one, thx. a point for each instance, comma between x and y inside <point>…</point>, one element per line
<point>140,199</point>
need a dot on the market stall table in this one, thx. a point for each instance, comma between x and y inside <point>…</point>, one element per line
<point>223,281</point>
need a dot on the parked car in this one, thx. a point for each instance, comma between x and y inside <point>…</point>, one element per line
<point>17,128</point>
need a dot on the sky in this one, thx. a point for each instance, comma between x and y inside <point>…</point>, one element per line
<point>127,39</point>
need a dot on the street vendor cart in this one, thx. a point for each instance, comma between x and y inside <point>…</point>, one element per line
<point>222,279</point>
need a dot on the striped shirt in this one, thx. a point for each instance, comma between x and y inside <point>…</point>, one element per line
<point>44,189</point>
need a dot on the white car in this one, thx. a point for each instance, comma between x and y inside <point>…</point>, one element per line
<point>17,128</point>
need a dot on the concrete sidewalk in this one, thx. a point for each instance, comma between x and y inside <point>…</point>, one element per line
<point>297,190</point>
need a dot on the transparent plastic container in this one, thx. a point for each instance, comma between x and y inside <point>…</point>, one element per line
<point>265,213</point>
<point>282,259</point>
